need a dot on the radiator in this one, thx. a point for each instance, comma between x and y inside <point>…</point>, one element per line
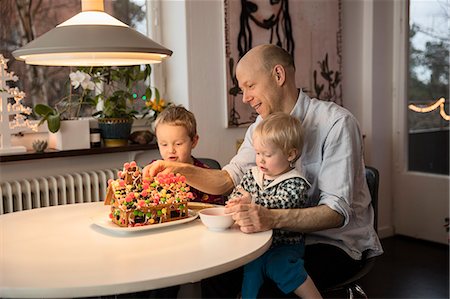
<point>89,186</point>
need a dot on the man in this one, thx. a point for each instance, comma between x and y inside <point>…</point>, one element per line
<point>339,221</point>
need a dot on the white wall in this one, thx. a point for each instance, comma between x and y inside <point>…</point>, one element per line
<point>367,77</point>
<point>56,166</point>
<point>367,88</point>
<point>199,37</point>
<point>194,31</point>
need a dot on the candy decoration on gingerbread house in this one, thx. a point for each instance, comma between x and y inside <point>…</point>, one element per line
<point>136,201</point>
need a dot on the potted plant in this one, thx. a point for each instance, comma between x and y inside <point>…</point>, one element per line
<point>118,105</point>
<point>70,106</point>
<point>67,130</point>
<point>115,93</point>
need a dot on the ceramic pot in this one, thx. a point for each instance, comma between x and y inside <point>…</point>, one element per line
<point>115,131</point>
<point>72,135</point>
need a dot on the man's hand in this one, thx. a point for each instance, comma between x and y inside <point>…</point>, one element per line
<point>249,216</point>
<point>156,167</point>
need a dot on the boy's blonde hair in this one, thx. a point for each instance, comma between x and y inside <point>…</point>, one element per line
<point>178,116</point>
<point>282,130</point>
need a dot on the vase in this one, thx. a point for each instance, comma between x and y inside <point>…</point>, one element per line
<point>72,135</point>
<point>115,131</point>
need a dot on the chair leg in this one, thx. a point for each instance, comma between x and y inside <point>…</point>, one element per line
<point>355,291</point>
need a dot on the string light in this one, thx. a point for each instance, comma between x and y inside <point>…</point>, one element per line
<point>439,103</point>
<point>135,96</point>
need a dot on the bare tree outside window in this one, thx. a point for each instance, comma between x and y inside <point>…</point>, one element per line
<point>428,74</point>
<point>24,20</point>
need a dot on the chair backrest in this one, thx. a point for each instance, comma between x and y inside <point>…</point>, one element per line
<point>373,181</point>
<point>210,162</point>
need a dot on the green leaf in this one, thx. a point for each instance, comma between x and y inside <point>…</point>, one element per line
<point>44,110</point>
<point>148,93</point>
<point>147,70</point>
<point>53,122</point>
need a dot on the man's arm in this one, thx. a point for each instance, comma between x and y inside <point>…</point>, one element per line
<point>308,219</point>
<point>211,181</point>
<point>255,218</point>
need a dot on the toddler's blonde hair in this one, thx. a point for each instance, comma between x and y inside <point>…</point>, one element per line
<point>282,130</point>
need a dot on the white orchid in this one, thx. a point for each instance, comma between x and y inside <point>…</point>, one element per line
<point>81,78</point>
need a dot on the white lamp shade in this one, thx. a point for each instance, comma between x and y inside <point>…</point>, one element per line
<point>92,38</point>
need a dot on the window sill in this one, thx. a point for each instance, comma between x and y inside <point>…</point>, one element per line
<point>72,153</point>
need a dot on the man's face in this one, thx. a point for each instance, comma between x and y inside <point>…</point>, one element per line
<point>258,86</point>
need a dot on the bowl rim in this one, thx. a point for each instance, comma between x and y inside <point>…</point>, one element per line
<point>204,212</point>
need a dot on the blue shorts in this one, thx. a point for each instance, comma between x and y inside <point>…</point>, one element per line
<point>282,264</point>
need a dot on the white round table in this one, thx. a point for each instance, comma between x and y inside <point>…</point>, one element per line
<point>60,252</point>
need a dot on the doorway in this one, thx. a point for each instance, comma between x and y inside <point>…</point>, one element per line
<point>421,124</point>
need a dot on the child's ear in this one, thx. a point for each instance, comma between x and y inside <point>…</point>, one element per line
<point>195,141</point>
<point>292,154</point>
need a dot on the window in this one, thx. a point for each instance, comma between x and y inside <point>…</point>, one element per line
<point>23,21</point>
<point>428,81</point>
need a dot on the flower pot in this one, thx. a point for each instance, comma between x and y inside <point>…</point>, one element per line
<point>115,131</point>
<point>73,134</point>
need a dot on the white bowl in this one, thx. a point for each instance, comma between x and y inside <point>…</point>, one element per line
<point>215,219</point>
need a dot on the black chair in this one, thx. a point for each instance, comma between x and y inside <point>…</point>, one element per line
<point>351,284</point>
<point>210,162</point>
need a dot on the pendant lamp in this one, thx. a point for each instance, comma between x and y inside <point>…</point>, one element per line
<point>92,38</point>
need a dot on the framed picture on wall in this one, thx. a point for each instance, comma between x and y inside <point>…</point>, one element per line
<point>309,30</point>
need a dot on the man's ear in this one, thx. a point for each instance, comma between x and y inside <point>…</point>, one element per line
<point>195,141</point>
<point>279,74</point>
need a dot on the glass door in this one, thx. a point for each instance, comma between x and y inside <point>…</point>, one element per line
<point>421,136</point>
<point>428,89</point>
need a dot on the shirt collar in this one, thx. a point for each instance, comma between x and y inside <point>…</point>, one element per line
<point>259,178</point>
<point>301,106</point>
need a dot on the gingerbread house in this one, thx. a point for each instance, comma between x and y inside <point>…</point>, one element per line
<point>136,201</point>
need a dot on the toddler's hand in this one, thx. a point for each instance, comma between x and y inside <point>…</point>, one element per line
<point>244,198</point>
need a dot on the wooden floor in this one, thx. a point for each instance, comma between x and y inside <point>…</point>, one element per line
<point>409,268</point>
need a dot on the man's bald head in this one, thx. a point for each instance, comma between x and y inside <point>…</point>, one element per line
<point>268,56</point>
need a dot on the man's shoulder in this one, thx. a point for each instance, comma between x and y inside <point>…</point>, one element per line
<point>329,106</point>
<point>325,112</point>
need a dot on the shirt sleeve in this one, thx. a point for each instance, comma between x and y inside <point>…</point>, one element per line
<point>244,159</point>
<point>342,154</point>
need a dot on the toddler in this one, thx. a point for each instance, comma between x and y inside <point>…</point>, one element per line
<point>276,184</point>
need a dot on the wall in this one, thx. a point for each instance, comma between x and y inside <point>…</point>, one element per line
<point>367,76</point>
<point>196,78</point>
<point>202,41</point>
<point>46,167</point>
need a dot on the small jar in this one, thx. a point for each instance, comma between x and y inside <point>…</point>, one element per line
<point>95,137</point>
